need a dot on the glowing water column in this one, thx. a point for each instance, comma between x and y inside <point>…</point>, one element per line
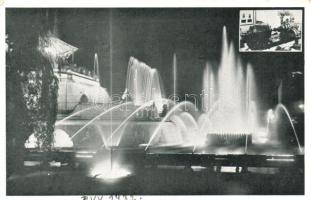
<point>143,84</point>
<point>230,99</point>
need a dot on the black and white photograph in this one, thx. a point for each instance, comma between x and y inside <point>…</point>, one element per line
<point>271,30</point>
<point>154,101</point>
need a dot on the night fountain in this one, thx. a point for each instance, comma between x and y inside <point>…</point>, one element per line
<point>228,122</point>
<point>230,100</point>
<point>143,84</point>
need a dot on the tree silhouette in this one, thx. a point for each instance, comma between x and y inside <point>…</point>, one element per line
<point>31,89</point>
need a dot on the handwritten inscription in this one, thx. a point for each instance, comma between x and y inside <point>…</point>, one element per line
<point>111,197</point>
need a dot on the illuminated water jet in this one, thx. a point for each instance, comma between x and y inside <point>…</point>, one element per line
<point>174,76</point>
<point>74,114</point>
<point>106,172</point>
<point>143,84</point>
<point>280,107</point>
<point>230,104</point>
<point>98,116</point>
<point>173,111</point>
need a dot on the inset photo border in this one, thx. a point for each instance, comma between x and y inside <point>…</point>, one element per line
<point>271,30</point>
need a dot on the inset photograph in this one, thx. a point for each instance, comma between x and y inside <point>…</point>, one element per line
<point>271,30</point>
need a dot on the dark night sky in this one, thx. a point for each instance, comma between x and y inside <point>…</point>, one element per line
<point>152,36</point>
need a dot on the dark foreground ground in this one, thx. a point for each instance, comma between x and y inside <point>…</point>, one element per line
<point>157,182</point>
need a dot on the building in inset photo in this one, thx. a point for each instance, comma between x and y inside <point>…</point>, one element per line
<point>271,30</point>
